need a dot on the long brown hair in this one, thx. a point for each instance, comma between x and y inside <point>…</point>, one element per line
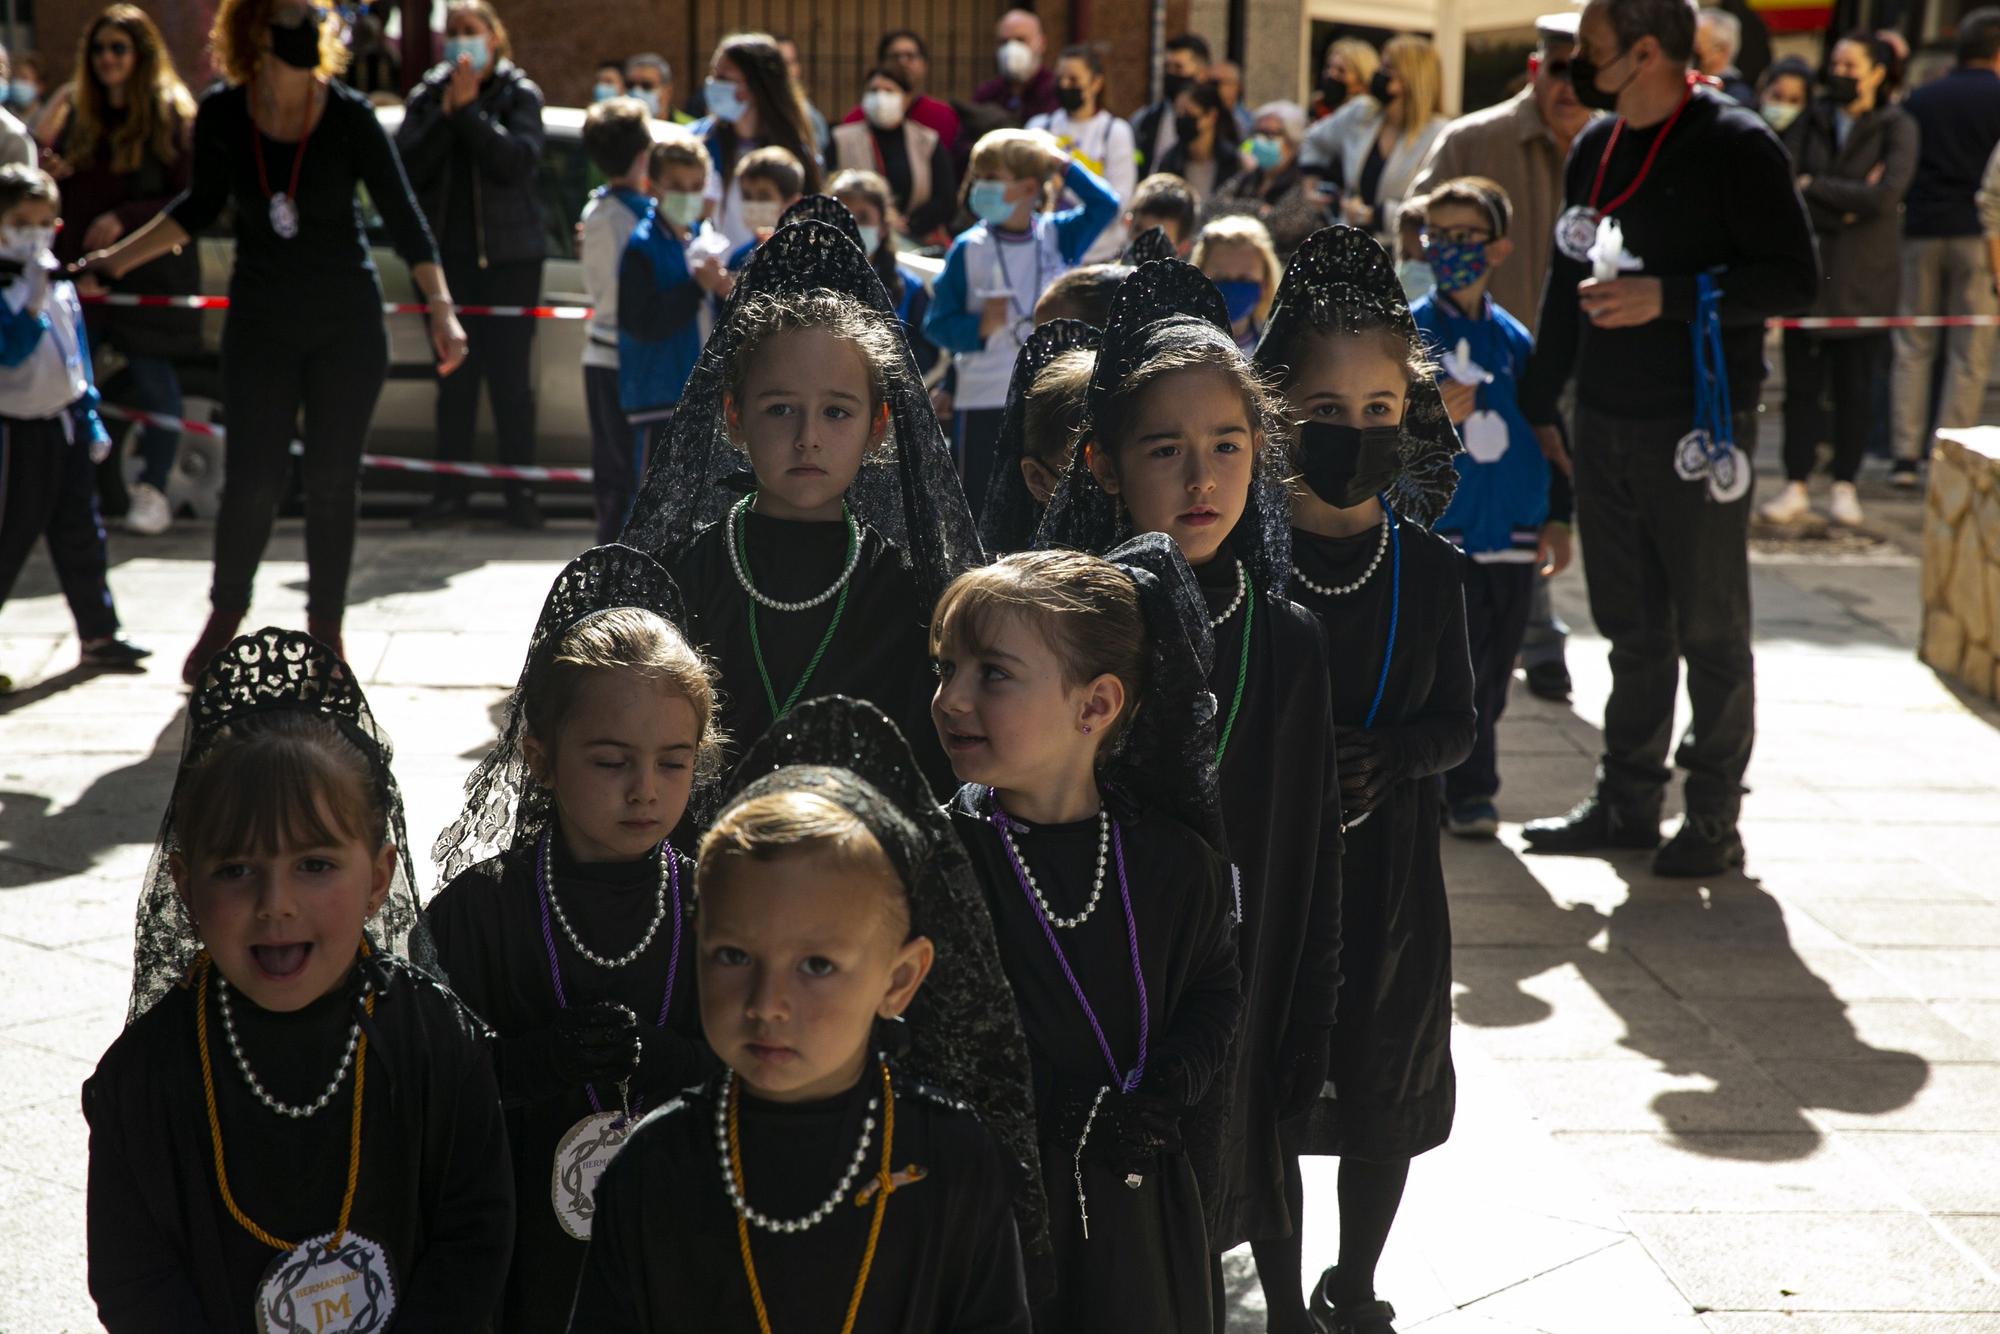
<point>781,108</point>
<point>159,110</point>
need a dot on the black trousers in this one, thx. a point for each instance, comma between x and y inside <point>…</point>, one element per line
<point>978,441</point>
<point>500,353</point>
<point>1497,601</point>
<point>48,491</point>
<point>1668,572</point>
<point>617,452</point>
<point>1851,366</point>
<point>330,370</point>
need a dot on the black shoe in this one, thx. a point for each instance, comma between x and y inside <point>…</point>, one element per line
<point>1903,474</point>
<point>522,512</point>
<point>1550,681</point>
<point>1593,824</point>
<point>1705,845</point>
<point>440,511</point>
<point>114,652</point>
<point>1369,1317</point>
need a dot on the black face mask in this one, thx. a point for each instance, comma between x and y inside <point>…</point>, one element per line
<point>298,45</point>
<point>1069,99</point>
<point>1332,92</point>
<point>1187,129</point>
<point>1842,88</point>
<point>1173,85</point>
<point>1583,78</point>
<point>1345,465</point>
<point>1378,86</point>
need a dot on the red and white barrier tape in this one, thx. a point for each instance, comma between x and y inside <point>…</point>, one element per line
<point>1889,322</point>
<point>388,463</point>
<point>388,307</point>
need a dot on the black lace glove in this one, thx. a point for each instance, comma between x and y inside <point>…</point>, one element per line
<point>1128,1133</point>
<point>596,1043</point>
<point>1303,1060</point>
<point>1370,764</point>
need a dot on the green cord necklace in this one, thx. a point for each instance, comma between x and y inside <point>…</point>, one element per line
<point>1242,672</point>
<point>756,643</point>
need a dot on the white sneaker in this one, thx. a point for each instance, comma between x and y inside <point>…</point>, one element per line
<point>149,515</point>
<point>1845,506</point>
<point>1788,506</point>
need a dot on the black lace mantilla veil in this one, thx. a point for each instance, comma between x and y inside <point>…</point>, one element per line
<point>913,499</point>
<point>1147,246</point>
<point>1081,516</point>
<point>270,671</point>
<point>1340,277</point>
<point>1166,757</point>
<point>504,806</point>
<point>1011,513</point>
<point>826,209</point>
<point>964,1033</point>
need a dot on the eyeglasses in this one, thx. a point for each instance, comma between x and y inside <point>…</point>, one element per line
<point>1456,236</point>
<point>111,48</point>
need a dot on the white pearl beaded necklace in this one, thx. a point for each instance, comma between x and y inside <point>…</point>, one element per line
<point>743,575</point>
<point>826,1207</point>
<point>1242,586</point>
<point>1096,886</point>
<point>1341,590</point>
<point>298,1113</point>
<point>659,913</point>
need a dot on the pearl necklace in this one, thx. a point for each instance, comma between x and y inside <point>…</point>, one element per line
<point>742,1205</point>
<point>743,575</point>
<point>299,1113</point>
<point>1096,886</point>
<point>1341,590</point>
<point>659,913</point>
<point>1242,586</point>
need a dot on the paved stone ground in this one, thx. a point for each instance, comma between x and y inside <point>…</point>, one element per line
<point>1767,1104</point>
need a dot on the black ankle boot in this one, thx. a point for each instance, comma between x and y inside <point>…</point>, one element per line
<point>1704,845</point>
<point>1594,824</point>
<point>1330,1317</point>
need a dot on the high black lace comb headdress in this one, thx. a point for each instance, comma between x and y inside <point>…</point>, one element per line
<point>913,499</point>
<point>1342,281</point>
<point>963,1028</point>
<point>1147,246</point>
<point>1166,756</point>
<point>271,671</point>
<point>1011,513</point>
<point>826,209</point>
<point>504,806</point>
<point>1081,516</point>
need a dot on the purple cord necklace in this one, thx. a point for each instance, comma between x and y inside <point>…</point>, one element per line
<point>1124,1081</point>
<point>542,895</point>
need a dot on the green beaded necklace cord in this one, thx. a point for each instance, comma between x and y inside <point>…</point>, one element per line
<point>1242,671</point>
<point>757,646</point>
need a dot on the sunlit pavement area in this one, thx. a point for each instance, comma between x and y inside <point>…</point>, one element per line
<point>1763,1104</point>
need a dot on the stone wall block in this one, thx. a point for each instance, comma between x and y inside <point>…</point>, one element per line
<point>1951,483</point>
<point>1965,587</point>
<point>1944,641</point>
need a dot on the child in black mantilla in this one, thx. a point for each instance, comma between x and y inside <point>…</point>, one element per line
<point>1183,440</point>
<point>298,1128</point>
<point>814,572</point>
<point>1375,454</point>
<point>1045,410</point>
<point>832,1170</point>
<point>564,919</point>
<point>1084,729</point>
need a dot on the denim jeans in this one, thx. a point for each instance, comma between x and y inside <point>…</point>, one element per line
<point>156,387</point>
<point>1668,572</point>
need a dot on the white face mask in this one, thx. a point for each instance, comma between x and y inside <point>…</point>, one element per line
<point>883,108</point>
<point>26,244</point>
<point>1017,61</point>
<point>761,215</point>
<point>871,239</point>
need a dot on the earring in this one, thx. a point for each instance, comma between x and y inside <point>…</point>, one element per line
<point>1086,729</point>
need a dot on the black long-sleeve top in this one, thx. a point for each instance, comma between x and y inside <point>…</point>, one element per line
<point>892,152</point>
<point>434,1187</point>
<point>326,271</point>
<point>1719,199</point>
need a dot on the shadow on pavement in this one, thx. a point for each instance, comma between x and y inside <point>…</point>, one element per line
<point>121,806</point>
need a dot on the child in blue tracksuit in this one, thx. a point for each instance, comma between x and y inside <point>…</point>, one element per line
<point>663,289</point>
<point>983,304</point>
<point>50,436</point>
<point>617,142</point>
<point>1511,510</point>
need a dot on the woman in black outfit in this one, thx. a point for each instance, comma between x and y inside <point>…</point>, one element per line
<point>471,141</point>
<point>289,145</point>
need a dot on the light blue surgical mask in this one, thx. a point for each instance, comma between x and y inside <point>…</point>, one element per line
<point>989,203</point>
<point>871,239</point>
<point>724,101</point>
<point>1416,278</point>
<point>1266,152</point>
<point>473,49</point>
<point>650,96</point>
<point>604,92</point>
<point>22,92</point>
<point>682,208</point>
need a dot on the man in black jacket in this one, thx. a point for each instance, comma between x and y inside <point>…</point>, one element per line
<point>1700,187</point>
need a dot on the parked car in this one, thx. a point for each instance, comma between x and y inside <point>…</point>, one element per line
<point>404,415</point>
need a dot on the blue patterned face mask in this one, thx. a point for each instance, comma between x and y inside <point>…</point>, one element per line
<point>1456,265</point>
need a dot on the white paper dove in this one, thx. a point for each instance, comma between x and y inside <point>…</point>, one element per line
<point>1460,366</point>
<point>1608,257</point>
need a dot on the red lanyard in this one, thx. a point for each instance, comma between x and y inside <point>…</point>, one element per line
<point>1644,167</point>
<point>298,153</point>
